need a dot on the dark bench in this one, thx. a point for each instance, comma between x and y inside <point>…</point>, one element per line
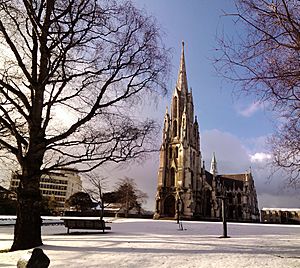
<point>85,224</point>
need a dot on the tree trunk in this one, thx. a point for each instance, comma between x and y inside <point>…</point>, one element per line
<point>27,232</point>
<point>28,225</point>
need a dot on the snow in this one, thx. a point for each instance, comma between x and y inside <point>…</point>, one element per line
<point>149,243</point>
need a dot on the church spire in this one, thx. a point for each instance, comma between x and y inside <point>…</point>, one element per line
<point>213,166</point>
<point>181,84</point>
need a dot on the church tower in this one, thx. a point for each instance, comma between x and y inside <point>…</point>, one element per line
<point>179,174</point>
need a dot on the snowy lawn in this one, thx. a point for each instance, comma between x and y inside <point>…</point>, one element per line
<point>148,243</point>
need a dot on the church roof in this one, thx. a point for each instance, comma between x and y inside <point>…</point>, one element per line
<point>209,177</point>
<point>228,180</point>
<point>237,177</point>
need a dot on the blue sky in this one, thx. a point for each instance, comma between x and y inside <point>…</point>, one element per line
<point>198,22</point>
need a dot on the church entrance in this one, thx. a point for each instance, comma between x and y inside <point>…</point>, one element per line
<point>169,206</point>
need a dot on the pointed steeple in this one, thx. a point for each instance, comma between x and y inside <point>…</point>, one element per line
<point>213,165</point>
<point>181,84</point>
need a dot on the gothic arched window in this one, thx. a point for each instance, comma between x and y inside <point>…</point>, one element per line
<point>192,179</point>
<point>175,104</point>
<point>230,198</point>
<point>194,159</point>
<point>174,128</point>
<point>239,198</point>
<point>172,178</point>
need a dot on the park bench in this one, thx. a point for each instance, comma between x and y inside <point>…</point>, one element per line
<point>84,223</point>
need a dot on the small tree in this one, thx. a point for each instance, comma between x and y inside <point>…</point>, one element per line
<point>129,196</point>
<point>96,191</point>
<point>81,201</point>
<point>53,205</point>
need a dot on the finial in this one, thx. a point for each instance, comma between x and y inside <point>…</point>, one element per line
<point>182,42</point>
<point>213,166</point>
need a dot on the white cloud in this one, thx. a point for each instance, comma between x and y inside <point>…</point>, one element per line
<point>251,109</point>
<point>233,156</point>
<point>260,157</point>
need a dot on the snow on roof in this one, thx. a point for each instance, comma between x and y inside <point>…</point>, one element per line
<point>281,209</point>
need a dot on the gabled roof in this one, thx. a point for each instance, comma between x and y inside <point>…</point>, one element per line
<point>237,177</point>
<point>231,183</point>
<point>228,180</point>
<point>209,177</point>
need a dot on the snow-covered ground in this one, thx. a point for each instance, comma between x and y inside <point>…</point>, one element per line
<point>148,243</point>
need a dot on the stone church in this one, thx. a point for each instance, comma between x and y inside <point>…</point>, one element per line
<point>185,188</point>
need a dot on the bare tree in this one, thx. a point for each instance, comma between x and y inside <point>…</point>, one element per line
<point>264,60</point>
<point>129,196</point>
<point>97,190</point>
<point>69,73</point>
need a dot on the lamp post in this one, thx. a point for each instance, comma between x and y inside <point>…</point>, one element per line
<point>223,198</point>
<point>178,201</point>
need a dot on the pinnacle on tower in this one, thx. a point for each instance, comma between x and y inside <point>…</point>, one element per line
<point>181,84</point>
<point>213,165</point>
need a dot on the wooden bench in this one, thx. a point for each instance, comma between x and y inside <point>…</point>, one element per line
<point>93,224</point>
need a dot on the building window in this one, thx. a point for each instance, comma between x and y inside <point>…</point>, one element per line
<point>230,199</point>
<point>194,159</point>
<point>176,152</point>
<point>174,128</point>
<point>172,178</point>
<point>239,198</point>
<point>175,107</point>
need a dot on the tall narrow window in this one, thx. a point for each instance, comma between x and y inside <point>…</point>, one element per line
<point>176,152</point>
<point>239,198</point>
<point>175,102</point>
<point>174,128</point>
<point>192,180</point>
<point>194,159</point>
<point>172,180</point>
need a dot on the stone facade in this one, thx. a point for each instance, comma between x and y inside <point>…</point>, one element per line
<point>280,215</point>
<point>185,189</point>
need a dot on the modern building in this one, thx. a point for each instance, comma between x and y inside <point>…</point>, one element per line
<point>59,184</point>
<point>185,188</point>
<point>280,215</point>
